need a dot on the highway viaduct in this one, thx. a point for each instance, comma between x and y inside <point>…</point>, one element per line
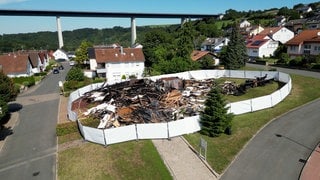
<point>132,16</point>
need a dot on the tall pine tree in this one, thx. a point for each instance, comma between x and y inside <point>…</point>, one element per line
<point>235,55</point>
<point>215,118</point>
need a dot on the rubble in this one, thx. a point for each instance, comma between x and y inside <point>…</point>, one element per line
<point>235,89</point>
<point>143,101</point>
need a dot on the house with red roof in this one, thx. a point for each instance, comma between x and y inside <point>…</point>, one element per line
<point>260,46</point>
<point>281,34</point>
<point>306,42</point>
<point>116,63</point>
<point>200,55</point>
<point>16,65</point>
<point>39,60</point>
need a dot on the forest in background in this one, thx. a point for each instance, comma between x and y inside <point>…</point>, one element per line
<point>207,27</point>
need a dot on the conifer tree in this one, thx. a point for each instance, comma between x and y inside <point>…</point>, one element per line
<point>236,52</point>
<point>215,118</point>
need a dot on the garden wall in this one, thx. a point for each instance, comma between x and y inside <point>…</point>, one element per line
<point>187,125</point>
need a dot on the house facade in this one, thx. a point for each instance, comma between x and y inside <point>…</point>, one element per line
<point>39,61</point>
<point>16,65</point>
<point>261,46</point>
<point>117,64</point>
<point>281,34</point>
<point>306,42</point>
<point>60,54</point>
<point>244,23</point>
<point>200,55</point>
<point>214,44</point>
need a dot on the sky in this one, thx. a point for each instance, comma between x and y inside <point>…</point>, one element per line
<point>14,24</point>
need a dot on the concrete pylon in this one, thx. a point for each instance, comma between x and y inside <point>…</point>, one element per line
<point>133,31</point>
<point>60,37</point>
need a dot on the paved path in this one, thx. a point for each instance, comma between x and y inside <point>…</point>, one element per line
<point>182,161</point>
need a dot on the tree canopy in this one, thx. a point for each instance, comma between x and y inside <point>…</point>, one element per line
<point>7,93</point>
<point>235,54</point>
<point>82,52</point>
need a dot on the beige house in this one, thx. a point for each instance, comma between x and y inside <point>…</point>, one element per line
<point>305,43</point>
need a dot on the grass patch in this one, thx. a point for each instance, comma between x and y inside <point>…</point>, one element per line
<point>223,149</point>
<point>130,160</point>
<point>252,92</point>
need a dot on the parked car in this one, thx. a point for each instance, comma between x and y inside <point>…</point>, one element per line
<point>60,67</point>
<point>55,70</point>
<point>71,63</point>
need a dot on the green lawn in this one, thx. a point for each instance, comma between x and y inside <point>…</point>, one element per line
<point>140,159</point>
<point>222,150</point>
<point>130,160</point>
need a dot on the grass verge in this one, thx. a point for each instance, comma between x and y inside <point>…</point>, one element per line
<point>222,150</point>
<point>130,160</point>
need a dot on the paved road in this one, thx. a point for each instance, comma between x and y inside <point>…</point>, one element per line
<point>280,149</point>
<point>30,152</point>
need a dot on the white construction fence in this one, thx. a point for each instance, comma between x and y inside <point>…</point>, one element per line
<point>183,126</point>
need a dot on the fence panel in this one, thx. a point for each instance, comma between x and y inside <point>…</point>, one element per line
<point>237,74</point>
<point>275,98</point>
<point>200,75</point>
<point>215,73</point>
<point>152,131</point>
<point>120,134</point>
<point>93,135</point>
<point>262,102</point>
<point>284,91</point>
<point>184,126</point>
<point>240,107</point>
<point>284,77</point>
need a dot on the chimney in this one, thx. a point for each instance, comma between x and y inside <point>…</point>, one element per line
<point>121,50</point>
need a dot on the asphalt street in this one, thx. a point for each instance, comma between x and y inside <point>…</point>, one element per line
<point>30,152</point>
<point>280,149</point>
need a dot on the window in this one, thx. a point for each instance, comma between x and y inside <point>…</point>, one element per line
<point>307,46</point>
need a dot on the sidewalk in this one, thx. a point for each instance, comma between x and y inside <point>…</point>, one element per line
<point>182,161</point>
<point>311,170</point>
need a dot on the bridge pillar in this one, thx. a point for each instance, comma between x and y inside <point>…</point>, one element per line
<point>60,37</point>
<point>133,31</point>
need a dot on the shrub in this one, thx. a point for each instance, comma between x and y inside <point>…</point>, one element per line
<point>27,81</point>
<point>316,66</point>
<point>75,74</point>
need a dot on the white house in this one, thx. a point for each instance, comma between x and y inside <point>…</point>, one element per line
<point>281,34</point>
<point>60,54</point>
<point>117,64</point>
<point>38,60</point>
<point>214,44</point>
<point>16,65</point>
<point>254,30</point>
<point>306,42</point>
<point>244,23</point>
<point>261,46</point>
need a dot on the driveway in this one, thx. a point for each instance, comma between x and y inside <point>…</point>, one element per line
<point>280,150</point>
<point>30,152</point>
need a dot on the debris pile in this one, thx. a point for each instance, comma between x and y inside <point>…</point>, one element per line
<point>143,101</point>
<point>234,89</point>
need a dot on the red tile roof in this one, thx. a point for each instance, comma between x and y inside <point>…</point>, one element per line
<point>196,55</point>
<point>270,30</point>
<point>305,36</point>
<point>256,41</point>
<point>14,64</point>
<point>114,55</point>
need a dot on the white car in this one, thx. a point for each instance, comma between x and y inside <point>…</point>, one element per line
<point>71,63</point>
